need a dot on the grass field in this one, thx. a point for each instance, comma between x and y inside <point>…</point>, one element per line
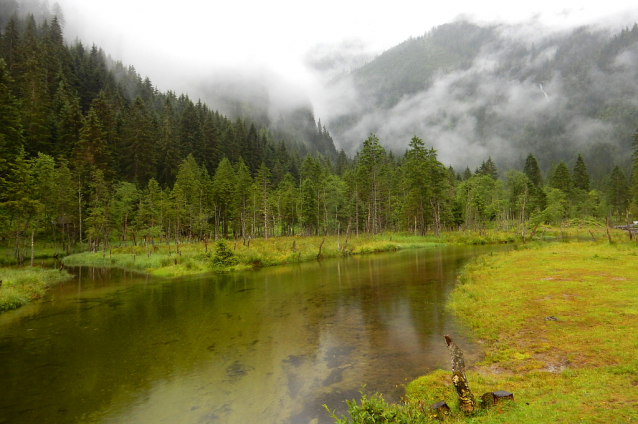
<point>559,326</point>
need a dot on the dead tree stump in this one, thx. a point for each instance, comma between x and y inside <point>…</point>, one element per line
<point>466,398</point>
<point>439,411</point>
<point>494,398</point>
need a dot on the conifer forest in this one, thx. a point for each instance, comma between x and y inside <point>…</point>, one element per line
<point>93,155</point>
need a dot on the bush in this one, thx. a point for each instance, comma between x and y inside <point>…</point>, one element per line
<point>376,410</point>
<point>223,255</point>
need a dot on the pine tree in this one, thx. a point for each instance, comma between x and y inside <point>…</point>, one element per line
<point>189,130</point>
<point>10,46</point>
<point>488,168</point>
<point>243,183</point>
<point>561,178</point>
<point>370,168</point>
<point>617,190</point>
<point>211,143</point>
<point>467,174</point>
<point>11,139</point>
<point>533,171</point>
<point>138,144</point>
<point>168,148</point>
<point>91,151</point>
<point>580,177</point>
<point>34,92</point>
<point>262,179</point>
<point>68,120</point>
<point>224,187</point>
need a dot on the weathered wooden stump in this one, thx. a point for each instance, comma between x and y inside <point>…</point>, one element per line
<point>493,398</point>
<point>466,398</point>
<point>439,410</point>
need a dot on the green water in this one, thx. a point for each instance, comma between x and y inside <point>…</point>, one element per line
<point>270,346</point>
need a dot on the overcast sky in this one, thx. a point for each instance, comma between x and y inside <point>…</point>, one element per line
<point>173,41</point>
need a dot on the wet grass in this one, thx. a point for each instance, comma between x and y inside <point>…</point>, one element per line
<point>559,327</point>
<point>22,285</point>
<point>199,258</point>
<point>558,323</point>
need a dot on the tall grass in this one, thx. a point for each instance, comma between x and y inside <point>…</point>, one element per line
<point>22,285</point>
<point>194,258</point>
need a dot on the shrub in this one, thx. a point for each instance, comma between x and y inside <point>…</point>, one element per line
<point>223,255</point>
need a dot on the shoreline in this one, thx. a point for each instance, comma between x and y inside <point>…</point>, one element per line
<point>198,258</point>
<point>558,323</point>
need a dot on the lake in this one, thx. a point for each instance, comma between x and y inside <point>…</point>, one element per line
<point>268,346</point>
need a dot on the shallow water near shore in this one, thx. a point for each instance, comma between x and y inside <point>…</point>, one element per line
<point>268,346</point>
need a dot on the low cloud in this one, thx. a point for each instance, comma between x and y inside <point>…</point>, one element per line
<point>508,102</point>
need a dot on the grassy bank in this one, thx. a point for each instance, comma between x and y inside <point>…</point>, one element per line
<point>559,327</point>
<point>22,285</point>
<point>198,258</point>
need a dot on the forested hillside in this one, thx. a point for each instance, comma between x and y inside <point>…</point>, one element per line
<point>501,90</point>
<point>92,155</point>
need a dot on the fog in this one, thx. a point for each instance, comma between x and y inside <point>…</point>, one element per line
<point>507,94</point>
<point>285,54</point>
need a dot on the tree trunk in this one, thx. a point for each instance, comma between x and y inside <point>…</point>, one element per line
<point>32,246</point>
<point>608,234</point>
<point>466,398</point>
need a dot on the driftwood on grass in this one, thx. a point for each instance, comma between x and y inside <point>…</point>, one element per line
<point>466,398</point>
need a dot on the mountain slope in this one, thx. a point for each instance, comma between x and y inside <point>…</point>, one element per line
<point>499,91</point>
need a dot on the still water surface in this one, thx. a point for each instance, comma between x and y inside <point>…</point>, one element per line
<point>269,346</point>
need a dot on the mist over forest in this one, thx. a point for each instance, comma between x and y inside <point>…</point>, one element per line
<point>473,91</point>
<point>466,125</point>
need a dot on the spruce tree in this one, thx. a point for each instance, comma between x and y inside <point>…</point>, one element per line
<point>617,191</point>
<point>488,168</point>
<point>580,177</point>
<point>533,171</point>
<point>561,178</point>
<point>138,144</point>
<point>11,139</point>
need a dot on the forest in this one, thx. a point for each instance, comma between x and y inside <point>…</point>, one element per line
<point>93,155</point>
<point>500,90</point>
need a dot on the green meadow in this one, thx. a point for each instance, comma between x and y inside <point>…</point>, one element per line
<point>558,324</point>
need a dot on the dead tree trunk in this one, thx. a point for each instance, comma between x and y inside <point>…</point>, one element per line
<point>466,398</point>
<point>608,234</point>
<point>320,246</point>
